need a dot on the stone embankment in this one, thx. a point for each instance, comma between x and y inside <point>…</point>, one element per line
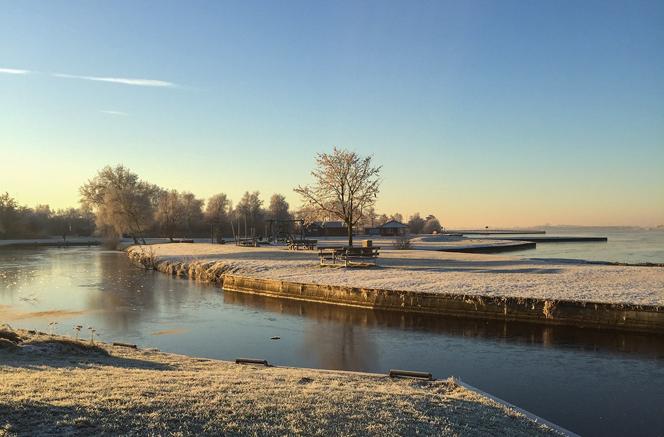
<point>236,275</point>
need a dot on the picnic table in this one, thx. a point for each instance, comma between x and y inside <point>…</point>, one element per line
<point>247,242</point>
<point>348,254</point>
<point>302,244</point>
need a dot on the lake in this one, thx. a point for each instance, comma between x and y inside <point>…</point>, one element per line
<point>591,382</point>
<point>628,245</point>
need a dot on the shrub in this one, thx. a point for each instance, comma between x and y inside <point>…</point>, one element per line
<point>402,243</point>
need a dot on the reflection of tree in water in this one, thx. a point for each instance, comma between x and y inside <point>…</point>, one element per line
<point>337,336</point>
<point>126,295</point>
<point>341,336</point>
<point>340,346</point>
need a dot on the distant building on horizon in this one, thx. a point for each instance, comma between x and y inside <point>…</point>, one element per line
<point>391,228</point>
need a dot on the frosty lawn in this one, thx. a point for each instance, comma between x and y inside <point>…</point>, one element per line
<point>431,271</point>
<point>56,385</point>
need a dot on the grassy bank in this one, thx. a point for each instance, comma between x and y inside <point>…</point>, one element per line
<point>53,384</point>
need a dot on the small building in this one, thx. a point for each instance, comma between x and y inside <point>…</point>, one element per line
<point>391,228</point>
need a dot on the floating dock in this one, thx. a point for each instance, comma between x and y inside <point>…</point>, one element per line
<point>554,239</point>
<point>494,231</point>
<point>493,248</point>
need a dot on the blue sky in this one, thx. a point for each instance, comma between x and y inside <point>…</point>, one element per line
<point>481,112</point>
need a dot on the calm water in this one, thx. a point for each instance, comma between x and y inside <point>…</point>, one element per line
<point>624,245</point>
<point>594,383</point>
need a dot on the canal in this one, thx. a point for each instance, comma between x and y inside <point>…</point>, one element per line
<point>591,382</point>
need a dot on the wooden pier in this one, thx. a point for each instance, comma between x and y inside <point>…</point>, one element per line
<point>554,239</point>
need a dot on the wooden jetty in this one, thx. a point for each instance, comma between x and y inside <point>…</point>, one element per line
<point>554,239</point>
<point>494,231</point>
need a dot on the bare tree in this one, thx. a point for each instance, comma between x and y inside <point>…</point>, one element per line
<point>121,202</point>
<point>345,186</point>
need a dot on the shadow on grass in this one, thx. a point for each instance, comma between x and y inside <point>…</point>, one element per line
<point>29,418</point>
<point>65,353</point>
<point>456,417</point>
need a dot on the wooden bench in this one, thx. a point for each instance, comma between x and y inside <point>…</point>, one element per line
<point>349,255</point>
<point>302,244</point>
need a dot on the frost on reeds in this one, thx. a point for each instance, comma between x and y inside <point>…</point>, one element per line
<point>51,327</point>
<point>148,257</point>
<point>11,339</point>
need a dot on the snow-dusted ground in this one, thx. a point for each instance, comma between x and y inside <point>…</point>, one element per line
<point>54,385</point>
<point>439,272</point>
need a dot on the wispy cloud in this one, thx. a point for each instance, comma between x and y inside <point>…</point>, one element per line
<point>120,80</point>
<point>13,71</point>
<point>111,112</point>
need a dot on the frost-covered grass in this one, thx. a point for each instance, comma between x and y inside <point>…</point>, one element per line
<point>431,271</point>
<point>55,385</point>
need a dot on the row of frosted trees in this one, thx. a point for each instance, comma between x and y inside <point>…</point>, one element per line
<point>18,221</point>
<point>126,205</point>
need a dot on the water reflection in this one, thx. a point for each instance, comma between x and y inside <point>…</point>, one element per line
<point>645,345</point>
<point>126,298</point>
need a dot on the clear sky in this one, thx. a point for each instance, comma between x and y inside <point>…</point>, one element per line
<point>495,113</point>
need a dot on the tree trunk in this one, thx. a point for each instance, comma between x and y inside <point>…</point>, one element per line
<point>350,234</point>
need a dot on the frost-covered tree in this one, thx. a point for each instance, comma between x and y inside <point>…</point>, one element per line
<point>382,219</point>
<point>416,223</point>
<point>121,202</point>
<point>217,214</point>
<point>370,216</point>
<point>169,212</point>
<point>278,209</point>
<point>217,209</point>
<point>345,186</point>
<point>432,225</point>
<point>71,221</point>
<point>397,217</point>
<point>250,212</point>
<point>9,216</point>
<point>192,212</point>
